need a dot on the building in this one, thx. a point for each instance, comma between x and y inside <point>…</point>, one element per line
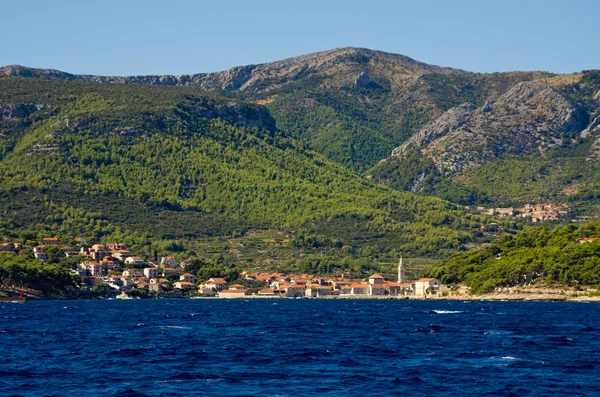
<point>116,247</point>
<point>6,247</point>
<point>168,261</point>
<point>315,291</point>
<point>359,289</point>
<point>152,272</point>
<point>91,268</point>
<point>394,288</point>
<point>98,251</point>
<point>295,291</point>
<point>233,293</point>
<point>38,253</point>
<point>110,262</point>
<point>168,271</point>
<point>378,289</point>
<point>423,286</point>
<point>183,285</point>
<point>188,277</point>
<point>135,261</point>
<point>70,252</point>
<point>50,241</point>
<point>205,291</point>
<point>120,254</point>
<point>376,279</point>
<point>267,292</point>
<point>216,283</point>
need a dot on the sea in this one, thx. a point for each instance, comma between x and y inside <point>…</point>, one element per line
<point>299,347</point>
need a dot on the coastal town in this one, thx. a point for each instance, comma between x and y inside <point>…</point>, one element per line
<point>113,268</point>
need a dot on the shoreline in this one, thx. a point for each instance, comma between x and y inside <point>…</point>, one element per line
<point>461,297</point>
<point>522,294</point>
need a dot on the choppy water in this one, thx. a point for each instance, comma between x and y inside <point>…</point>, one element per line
<point>299,348</point>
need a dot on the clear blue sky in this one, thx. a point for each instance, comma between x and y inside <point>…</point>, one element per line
<point>130,37</point>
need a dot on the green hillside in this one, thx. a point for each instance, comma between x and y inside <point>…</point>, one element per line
<point>533,255</point>
<point>157,166</point>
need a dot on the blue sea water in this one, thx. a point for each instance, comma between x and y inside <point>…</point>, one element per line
<point>288,347</point>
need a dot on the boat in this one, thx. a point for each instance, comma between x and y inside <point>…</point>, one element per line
<point>20,299</point>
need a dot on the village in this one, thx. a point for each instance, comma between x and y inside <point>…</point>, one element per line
<point>534,212</point>
<point>112,268</point>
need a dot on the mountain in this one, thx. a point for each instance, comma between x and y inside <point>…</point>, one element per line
<point>161,168</point>
<point>537,141</point>
<point>353,105</point>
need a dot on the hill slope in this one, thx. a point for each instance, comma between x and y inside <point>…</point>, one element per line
<point>535,142</point>
<point>353,105</point>
<point>533,255</point>
<point>112,161</point>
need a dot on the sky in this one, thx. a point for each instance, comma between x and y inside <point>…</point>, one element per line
<point>134,37</point>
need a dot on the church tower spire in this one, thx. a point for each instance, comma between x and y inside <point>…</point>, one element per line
<point>401,271</point>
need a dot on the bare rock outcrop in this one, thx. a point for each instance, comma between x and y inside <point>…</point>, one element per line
<point>530,118</point>
<point>362,80</point>
<point>20,110</point>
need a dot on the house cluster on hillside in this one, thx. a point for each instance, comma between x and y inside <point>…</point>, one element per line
<point>116,267</point>
<point>535,212</point>
<point>137,272</point>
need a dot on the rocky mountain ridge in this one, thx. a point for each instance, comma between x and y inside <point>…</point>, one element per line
<point>353,105</point>
<point>251,78</point>
<point>442,125</point>
<point>530,117</point>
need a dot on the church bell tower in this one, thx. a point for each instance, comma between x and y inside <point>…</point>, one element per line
<point>401,272</point>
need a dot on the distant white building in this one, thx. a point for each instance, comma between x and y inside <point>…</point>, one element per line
<point>134,260</point>
<point>188,277</point>
<point>151,272</point>
<point>39,253</point>
<point>424,285</point>
<point>215,283</point>
<point>90,268</point>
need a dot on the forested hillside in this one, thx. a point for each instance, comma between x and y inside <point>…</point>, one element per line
<point>540,254</point>
<point>157,165</point>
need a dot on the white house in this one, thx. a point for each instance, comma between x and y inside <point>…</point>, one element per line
<point>215,283</point>
<point>424,285</point>
<point>91,268</point>
<point>39,253</point>
<point>184,285</point>
<point>134,260</point>
<point>151,272</point>
<point>188,278</point>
